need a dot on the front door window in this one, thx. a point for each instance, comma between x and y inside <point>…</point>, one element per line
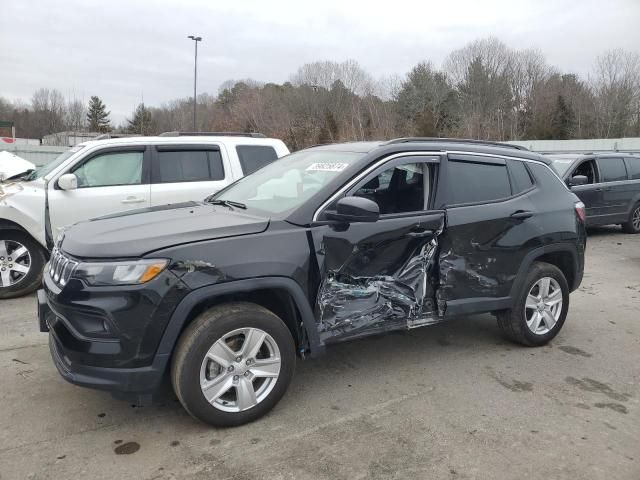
<point>588,169</point>
<point>399,189</point>
<point>111,169</point>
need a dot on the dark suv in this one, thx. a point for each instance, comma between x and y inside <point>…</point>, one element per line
<point>607,183</point>
<point>328,244</point>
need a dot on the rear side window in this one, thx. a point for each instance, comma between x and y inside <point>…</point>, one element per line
<point>520,178</point>
<point>254,157</point>
<point>175,166</point>
<point>471,182</point>
<point>634,167</point>
<point>612,169</point>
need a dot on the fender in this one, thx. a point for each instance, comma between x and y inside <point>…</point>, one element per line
<point>538,252</point>
<point>181,313</point>
<point>20,219</point>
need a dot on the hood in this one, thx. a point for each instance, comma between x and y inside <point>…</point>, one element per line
<point>138,232</point>
<point>11,165</point>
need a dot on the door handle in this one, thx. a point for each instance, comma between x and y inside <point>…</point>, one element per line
<point>133,200</point>
<point>419,233</point>
<point>603,189</point>
<point>522,214</point>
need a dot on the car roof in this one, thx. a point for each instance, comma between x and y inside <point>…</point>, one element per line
<point>580,156</point>
<point>435,144</point>
<point>199,139</point>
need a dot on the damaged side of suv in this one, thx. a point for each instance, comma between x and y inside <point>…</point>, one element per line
<point>328,244</point>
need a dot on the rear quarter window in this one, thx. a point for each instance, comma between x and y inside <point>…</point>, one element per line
<point>520,177</point>
<point>473,182</point>
<point>634,167</point>
<point>254,157</point>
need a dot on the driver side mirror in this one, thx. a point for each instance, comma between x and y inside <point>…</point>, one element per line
<point>578,180</point>
<point>355,209</point>
<point>68,181</point>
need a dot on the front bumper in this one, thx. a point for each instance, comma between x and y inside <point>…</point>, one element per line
<point>138,380</point>
<point>141,380</point>
<point>108,338</point>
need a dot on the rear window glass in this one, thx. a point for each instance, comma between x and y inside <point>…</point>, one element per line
<point>520,178</point>
<point>254,157</point>
<point>634,167</point>
<point>472,182</point>
<point>188,166</point>
<point>612,169</point>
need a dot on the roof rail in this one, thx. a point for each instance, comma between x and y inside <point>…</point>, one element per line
<point>212,134</point>
<point>454,140</point>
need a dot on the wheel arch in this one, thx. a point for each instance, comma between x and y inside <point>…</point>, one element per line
<point>6,224</point>
<point>281,295</point>
<point>24,223</point>
<point>563,256</point>
<point>632,204</point>
<point>11,225</point>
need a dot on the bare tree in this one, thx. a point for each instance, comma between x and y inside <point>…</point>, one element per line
<point>48,108</point>
<point>480,72</point>
<point>616,86</point>
<point>75,115</point>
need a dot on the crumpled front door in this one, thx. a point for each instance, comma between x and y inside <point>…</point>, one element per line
<point>377,276</point>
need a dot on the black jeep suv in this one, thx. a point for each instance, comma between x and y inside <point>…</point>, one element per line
<point>328,244</point>
<point>607,183</point>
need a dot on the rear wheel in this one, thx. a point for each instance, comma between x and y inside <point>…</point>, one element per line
<point>22,260</point>
<point>541,309</point>
<point>233,364</point>
<point>633,224</point>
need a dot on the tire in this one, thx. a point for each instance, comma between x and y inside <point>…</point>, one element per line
<point>14,283</point>
<point>517,323</point>
<point>231,324</point>
<point>633,224</point>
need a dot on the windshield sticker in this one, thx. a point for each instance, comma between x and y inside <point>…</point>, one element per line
<point>327,167</point>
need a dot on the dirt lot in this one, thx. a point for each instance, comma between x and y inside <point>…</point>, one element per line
<point>449,401</point>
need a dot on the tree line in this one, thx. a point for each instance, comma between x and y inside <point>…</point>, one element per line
<point>485,90</point>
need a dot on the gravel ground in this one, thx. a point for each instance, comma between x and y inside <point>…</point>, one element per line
<point>453,400</point>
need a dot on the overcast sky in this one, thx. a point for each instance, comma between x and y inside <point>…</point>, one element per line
<point>124,50</point>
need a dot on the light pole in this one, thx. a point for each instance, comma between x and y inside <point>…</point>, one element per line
<point>195,77</point>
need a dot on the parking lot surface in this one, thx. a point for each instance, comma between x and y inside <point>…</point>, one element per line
<point>453,400</point>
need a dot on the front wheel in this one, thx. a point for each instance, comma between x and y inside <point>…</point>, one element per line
<point>233,364</point>
<point>541,308</point>
<point>22,260</point>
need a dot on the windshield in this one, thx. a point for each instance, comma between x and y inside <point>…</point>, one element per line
<point>287,183</point>
<point>47,168</point>
<point>562,164</point>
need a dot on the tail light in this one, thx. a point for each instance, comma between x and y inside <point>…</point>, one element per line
<point>580,211</point>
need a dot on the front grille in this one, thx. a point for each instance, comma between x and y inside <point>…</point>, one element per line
<point>61,267</point>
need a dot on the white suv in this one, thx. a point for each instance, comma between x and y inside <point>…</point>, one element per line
<point>111,176</point>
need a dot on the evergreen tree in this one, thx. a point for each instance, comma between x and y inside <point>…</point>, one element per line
<point>97,116</point>
<point>563,120</point>
<point>141,121</point>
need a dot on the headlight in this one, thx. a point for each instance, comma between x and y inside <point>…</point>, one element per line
<point>120,273</point>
